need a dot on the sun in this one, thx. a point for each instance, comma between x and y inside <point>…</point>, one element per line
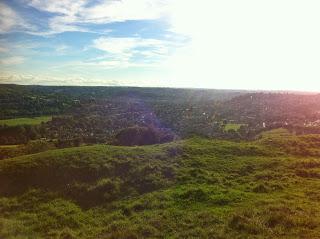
<point>246,45</point>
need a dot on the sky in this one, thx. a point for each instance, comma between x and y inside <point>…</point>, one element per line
<point>231,44</point>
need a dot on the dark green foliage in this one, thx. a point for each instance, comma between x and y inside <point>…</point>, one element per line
<point>34,146</point>
<point>20,134</point>
<point>37,146</point>
<point>137,136</point>
<point>18,100</point>
<point>194,195</point>
<point>142,136</point>
<point>91,115</point>
<point>67,143</point>
<point>261,188</point>
<point>308,173</point>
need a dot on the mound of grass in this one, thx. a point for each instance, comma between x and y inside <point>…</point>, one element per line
<point>282,141</point>
<point>196,188</point>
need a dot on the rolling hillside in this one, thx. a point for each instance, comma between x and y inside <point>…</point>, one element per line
<point>196,188</point>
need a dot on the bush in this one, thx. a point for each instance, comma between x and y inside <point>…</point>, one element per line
<point>136,136</point>
<point>104,190</point>
<point>261,188</point>
<point>67,234</point>
<point>37,146</point>
<point>246,221</point>
<point>307,173</point>
<point>194,195</point>
<point>142,136</point>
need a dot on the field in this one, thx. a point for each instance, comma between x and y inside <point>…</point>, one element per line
<point>193,188</point>
<point>233,126</point>
<point>25,121</point>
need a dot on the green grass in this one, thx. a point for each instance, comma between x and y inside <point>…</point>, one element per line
<point>196,188</point>
<point>25,121</point>
<point>33,146</point>
<point>232,126</point>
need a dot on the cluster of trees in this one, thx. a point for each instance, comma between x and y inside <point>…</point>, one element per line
<point>20,134</point>
<point>24,101</point>
<point>143,136</point>
<point>272,108</point>
<point>30,101</point>
<point>135,116</point>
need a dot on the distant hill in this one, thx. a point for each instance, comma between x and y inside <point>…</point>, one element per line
<point>19,100</point>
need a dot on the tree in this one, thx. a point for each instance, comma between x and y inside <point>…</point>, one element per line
<point>137,136</point>
<point>31,132</point>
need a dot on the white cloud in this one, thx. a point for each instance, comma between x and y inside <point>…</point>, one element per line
<point>12,21</point>
<point>72,15</point>
<point>62,49</point>
<point>65,7</point>
<point>107,64</point>
<point>66,18</point>
<point>17,78</point>
<point>119,11</point>
<point>12,77</point>
<point>13,60</point>
<point>123,52</point>
<point>3,49</point>
<point>8,18</point>
<point>18,45</point>
<point>125,45</point>
<point>130,51</point>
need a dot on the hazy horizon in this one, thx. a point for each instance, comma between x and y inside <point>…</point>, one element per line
<point>247,45</point>
<point>181,88</point>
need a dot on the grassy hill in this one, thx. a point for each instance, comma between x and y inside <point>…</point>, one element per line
<point>196,188</point>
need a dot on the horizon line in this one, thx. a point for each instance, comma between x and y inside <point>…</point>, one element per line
<point>172,87</point>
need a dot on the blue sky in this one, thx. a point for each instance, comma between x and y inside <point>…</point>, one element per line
<point>85,42</point>
<point>249,44</point>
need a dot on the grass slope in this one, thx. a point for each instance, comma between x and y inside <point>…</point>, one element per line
<point>25,121</point>
<point>196,188</point>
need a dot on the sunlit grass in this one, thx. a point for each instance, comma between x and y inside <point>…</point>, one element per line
<point>25,121</point>
<point>233,126</point>
<point>195,188</point>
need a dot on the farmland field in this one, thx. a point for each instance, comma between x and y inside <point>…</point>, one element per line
<point>25,121</point>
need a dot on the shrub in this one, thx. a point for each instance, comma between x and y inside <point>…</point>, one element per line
<point>37,146</point>
<point>247,222</point>
<point>261,188</point>
<point>142,136</point>
<point>67,234</point>
<point>105,190</point>
<point>194,195</point>
<point>307,173</point>
<point>137,136</point>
